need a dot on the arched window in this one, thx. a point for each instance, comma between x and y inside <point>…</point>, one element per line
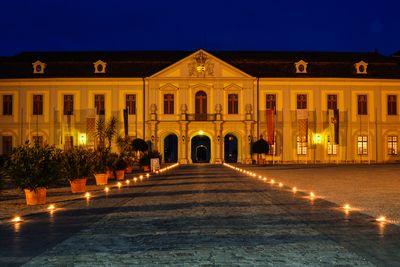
<point>201,105</point>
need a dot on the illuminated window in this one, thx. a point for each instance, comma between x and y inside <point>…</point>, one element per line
<point>392,104</point>
<point>69,142</point>
<point>99,104</point>
<point>37,105</point>
<point>131,104</point>
<point>68,104</point>
<point>270,102</point>
<point>301,66</point>
<point>392,145</point>
<point>362,104</point>
<point>301,145</point>
<point>7,144</point>
<point>362,145</point>
<point>168,103</point>
<point>332,101</point>
<point>233,104</point>
<point>332,147</point>
<point>7,104</point>
<point>302,101</point>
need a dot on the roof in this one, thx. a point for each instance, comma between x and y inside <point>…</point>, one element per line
<point>146,63</point>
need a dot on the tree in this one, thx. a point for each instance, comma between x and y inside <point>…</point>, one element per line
<point>260,147</point>
<point>106,131</point>
<point>139,145</point>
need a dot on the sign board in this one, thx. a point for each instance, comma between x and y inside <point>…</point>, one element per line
<point>154,164</point>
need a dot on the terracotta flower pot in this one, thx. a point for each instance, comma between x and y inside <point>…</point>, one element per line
<point>120,174</point>
<point>129,169</point>
<point>35,197</point>
<point>101,178</point>
<point>78,185</point>
<point>109,174</point>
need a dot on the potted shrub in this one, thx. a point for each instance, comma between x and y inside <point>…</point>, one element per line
<point>34,168</point>
<point>78,166</point>
<point>119,167</point>
<point>145,159</point>
<point>101,156</point>
<point>110,163</point>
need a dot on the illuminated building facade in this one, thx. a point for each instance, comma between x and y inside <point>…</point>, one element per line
<point>311,107</point>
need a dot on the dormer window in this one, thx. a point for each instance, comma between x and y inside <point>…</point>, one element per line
<point>38,67</point>
<point>100,66</point>
<point>361,67</point>
<point>301,66</point>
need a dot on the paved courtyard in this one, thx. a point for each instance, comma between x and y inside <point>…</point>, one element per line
<point>372,189</point>
<point>203,215</point>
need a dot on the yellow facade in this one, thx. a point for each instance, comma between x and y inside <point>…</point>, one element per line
<point>217,80</point>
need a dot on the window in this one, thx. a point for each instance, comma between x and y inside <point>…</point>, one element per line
<point>168,103</point>
<point>37,104</point>
<point>233,104</point>
<point>301,145</point>
<point>37,139</point>
<point>201,106</point>
<point>301,101</point>
<point>362,104</point>
<point>392,104</point>
<point>99,104</point>
<point>7,144</point>
<point>362,145</point>
<point>131,104</point>
<point>392,145</point>
<point>69,142</point>
<point>361,67</point>
<point>301,66</point>
<point>68,104</point>
<point>332,147</point>
<point>7,104</point>
<point>332,101</point>
<point>270,102</point>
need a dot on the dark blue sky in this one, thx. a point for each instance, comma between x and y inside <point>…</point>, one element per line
<point>333,25</point>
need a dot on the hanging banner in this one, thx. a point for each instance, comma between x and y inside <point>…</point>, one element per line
<point>271,126</point>
<point>302,122</point>
<point>126,122</point>
<point>333,118</point>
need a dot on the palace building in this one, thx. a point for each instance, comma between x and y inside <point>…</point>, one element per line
<point>311,107</point>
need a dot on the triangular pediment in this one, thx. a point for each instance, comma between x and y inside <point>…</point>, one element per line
<point>201,64</point>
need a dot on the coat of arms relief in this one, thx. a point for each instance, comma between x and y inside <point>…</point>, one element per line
<point>201,66</point>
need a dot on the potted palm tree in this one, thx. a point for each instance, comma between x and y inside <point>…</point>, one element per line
<point>110,163</point>
<point>101,157</point>
<point>78,166</point>
<point>34,168</point>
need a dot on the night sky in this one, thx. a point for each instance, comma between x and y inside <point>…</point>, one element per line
<point>82,25</point>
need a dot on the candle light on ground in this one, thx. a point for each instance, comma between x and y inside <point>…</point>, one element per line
<point>147,175</point>
<point>312,195</point>
<point>106,189</point>
<point>119,184</point>
<point>294,189</point>
<point>280,184</point>
<point>346,206</point>
<point>51,207</point>
<point>17,219</point>
<point>381,219</point>
<point>127,182</point>
<point>272,181</point>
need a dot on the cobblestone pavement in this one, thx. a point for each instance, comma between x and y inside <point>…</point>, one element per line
<point>201,215</point>
<point>373,189</point>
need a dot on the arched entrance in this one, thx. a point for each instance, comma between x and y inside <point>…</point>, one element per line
<point>201,106</point>
<point>201,149</point>
<point>171,149</point>
<point>230,148</point>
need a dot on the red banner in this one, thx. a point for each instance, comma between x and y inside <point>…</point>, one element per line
<point>270,126</point>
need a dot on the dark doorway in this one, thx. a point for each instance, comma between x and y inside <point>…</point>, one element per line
<point>201,149</point>
<point>230,148</point>
<point>171,149</point>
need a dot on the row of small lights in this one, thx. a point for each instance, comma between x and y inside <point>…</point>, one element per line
<point>51,208</point>
<point>346,207</point>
